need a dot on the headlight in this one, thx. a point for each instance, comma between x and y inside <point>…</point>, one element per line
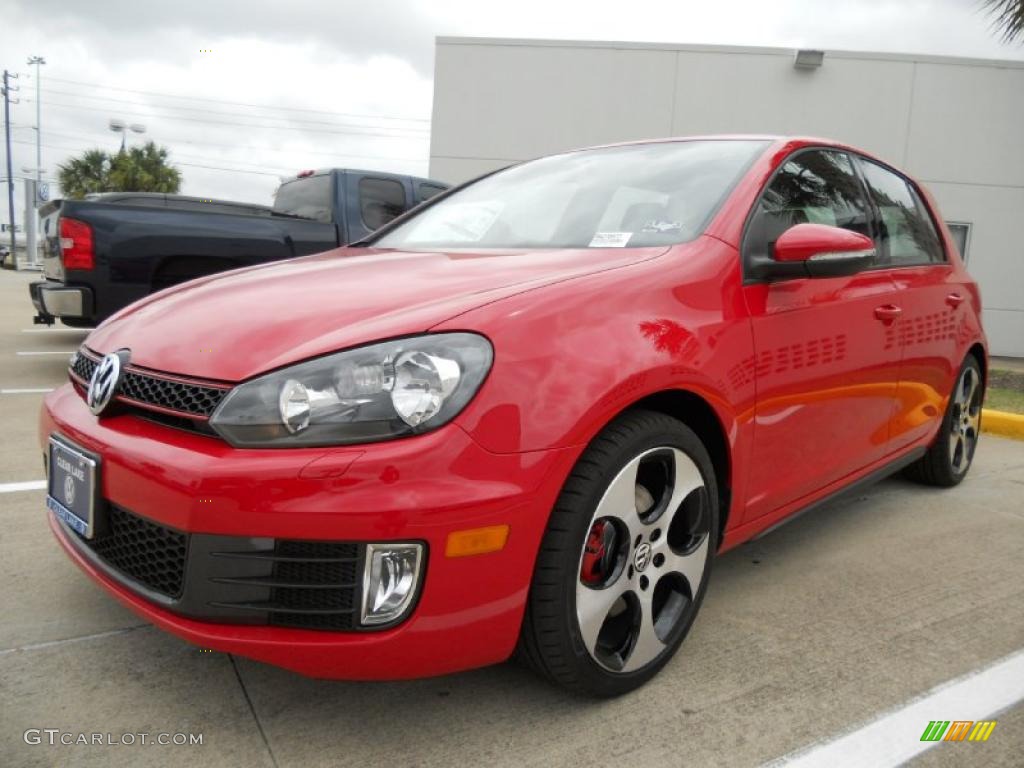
<point>395,388</point>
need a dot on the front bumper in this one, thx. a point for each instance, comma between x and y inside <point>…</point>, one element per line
<point>420,489</point>
<point>53,299</point>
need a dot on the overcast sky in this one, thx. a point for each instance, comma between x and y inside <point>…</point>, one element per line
<point>276,87</point>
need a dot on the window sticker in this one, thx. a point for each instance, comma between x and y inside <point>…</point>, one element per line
<point>464,222</point>
<point>661,227</point>
<point>610,240</point>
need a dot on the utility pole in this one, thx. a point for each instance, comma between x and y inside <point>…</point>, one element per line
<point>37,60</point>
<point>10,171</point>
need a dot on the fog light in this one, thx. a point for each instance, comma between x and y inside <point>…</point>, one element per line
<point>389,581</point>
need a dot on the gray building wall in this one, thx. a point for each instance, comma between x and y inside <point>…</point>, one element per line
<point>955,124</point>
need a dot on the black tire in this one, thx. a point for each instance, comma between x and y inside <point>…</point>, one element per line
<point>551,641</point>
<point>943,465</point>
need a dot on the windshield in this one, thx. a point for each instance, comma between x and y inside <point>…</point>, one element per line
<point>636,195</point>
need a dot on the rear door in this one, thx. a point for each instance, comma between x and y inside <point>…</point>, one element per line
<point>932,303</point>
<point>826,364</point>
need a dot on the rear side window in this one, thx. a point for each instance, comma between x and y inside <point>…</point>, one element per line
<point>907,233</point>
<point>309,197</point>
<point>813,187</point>
<point>380,200</point>
<point>427,191</point>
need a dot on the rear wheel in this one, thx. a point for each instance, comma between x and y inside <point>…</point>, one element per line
<point>950,456</point>
<point>624,563</point>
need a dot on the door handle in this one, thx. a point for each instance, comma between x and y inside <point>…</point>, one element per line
<point>954,300</point>
<point>888,312</point>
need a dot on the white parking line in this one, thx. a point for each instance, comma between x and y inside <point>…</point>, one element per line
<point>31,485</point>
<point>79,639</point>
<point>895,737</point>
<point>25,391</point>
<point>67,353</point>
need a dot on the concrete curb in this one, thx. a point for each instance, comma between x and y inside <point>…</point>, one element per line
<point>1002,423</point>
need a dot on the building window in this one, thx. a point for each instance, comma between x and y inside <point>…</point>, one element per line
<point>961,232</point>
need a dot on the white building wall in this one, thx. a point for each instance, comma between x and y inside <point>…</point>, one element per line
<point>955,124</point>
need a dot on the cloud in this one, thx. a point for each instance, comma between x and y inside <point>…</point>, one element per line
<point>326,63</point>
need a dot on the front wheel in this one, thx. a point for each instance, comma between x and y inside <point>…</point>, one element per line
<point>950,456</point>
<point>625,561</point>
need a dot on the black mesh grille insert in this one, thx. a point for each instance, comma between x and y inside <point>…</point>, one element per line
<point>144,551</point>
<point>321,579</point>
<point>174,395</point>
<point>235,579</point>
<point>184,397</point>
<point>83,367</point>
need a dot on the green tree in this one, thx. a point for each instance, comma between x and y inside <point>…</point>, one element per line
<point>138,169</point>
<point>1008,18</point>
<point>83,175</point>
<point>144,169</point>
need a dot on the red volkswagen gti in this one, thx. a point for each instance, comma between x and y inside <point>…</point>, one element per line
<point>523,418</point>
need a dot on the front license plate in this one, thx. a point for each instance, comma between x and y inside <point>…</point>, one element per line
<point>72,486</point>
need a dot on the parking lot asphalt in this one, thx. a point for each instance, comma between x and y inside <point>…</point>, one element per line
<point>822,625</point>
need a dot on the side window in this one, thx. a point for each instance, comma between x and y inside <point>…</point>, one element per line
<point>813,187</point>
<point>380,200</point>
<point>961,232</point>
<point>427,191</point>
<point>908,235</point>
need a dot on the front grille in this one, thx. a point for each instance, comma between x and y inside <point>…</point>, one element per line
<point>234,579</point>
<point>172,395</point>
<point>191,399</point>
<point>144,551</point>
<point>83,367</point>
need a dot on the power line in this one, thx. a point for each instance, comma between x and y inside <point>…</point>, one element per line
<point>269,171</point>
<point>231,114</point>
<point>98,138</point>
<point>187,165</point>
<point>61,105</point>
<point>240,103</point>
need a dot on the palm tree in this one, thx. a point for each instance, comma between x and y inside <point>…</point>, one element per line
<point>1008,18</point>
<point>83,175</point>
<point>144,169</point>
<point>139,169</point>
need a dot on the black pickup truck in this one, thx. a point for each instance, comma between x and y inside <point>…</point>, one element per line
<point>106,251</point>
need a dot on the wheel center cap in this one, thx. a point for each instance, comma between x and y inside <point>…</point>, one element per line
<point>641,557</point>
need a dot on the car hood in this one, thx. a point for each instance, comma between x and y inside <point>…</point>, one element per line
<point>237,324</point>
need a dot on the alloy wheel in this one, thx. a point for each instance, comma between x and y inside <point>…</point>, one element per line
<point>643,560</point>
<point>965,420</point>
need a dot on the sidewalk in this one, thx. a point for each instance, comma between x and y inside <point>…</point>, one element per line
<point>1007,363</point>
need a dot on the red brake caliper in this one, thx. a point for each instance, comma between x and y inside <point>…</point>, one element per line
<point>600,544</point>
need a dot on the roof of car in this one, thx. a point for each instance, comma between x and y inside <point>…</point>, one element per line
<point>778,140</point>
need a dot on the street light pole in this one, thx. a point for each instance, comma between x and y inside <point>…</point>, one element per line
<point>37,60</point>
<point>10,172</point>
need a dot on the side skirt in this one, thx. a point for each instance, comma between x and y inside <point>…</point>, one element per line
<point>870,478</point>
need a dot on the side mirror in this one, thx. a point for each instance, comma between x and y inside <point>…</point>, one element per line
<point>824,251</point>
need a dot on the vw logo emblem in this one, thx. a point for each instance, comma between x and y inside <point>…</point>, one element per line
<point>641,557</point>
<point>69,490</point>
<point>105,381</point>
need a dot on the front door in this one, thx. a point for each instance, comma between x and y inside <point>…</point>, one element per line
<point>827,353</point>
